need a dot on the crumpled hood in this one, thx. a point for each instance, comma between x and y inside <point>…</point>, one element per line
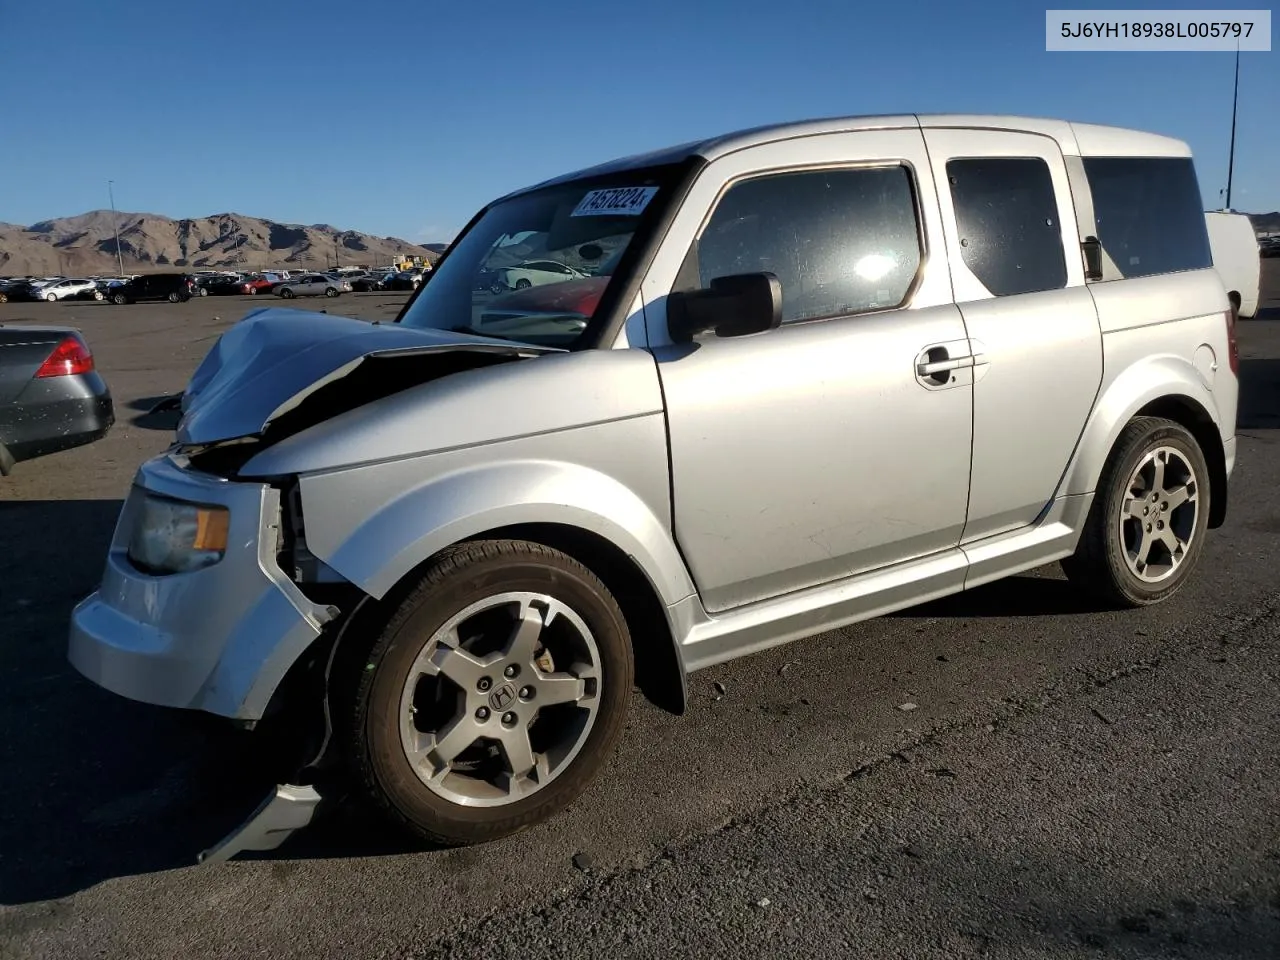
<point>274,358</point>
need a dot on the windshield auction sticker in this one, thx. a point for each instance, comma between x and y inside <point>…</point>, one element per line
<point>615,202</point>
<point>1167,30</point>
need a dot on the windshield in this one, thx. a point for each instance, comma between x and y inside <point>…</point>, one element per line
<point>535,268</point>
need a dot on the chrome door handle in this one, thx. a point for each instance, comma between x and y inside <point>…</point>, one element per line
<point>943,366</point>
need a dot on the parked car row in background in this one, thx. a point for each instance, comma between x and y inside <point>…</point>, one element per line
<point>183,285</point>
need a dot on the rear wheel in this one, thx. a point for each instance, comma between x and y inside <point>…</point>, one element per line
<point>287,293</point>
<point>523,284</point>
<point>204,292</point>
<point>330,292</point>
<point>173,297</point>
<point>1146,527</point>
<point>51,297</point>
<point>117,298</point>
<point>493,695</point>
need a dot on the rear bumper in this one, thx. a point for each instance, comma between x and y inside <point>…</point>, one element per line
<point>55,414</point>
<point>219,639</point>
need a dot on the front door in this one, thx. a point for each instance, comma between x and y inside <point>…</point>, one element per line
<point>1014,247</point>
<point>840,442</point>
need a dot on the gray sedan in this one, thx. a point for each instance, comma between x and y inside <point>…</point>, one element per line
<point>313,285</point>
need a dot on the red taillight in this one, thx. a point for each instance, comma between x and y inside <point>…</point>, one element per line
<point>70,357</point>
<point>1233,346</point>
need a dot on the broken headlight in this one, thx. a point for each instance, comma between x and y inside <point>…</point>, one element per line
<point>171,536</point>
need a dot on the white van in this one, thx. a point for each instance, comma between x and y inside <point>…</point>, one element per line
<point>1236,258</point>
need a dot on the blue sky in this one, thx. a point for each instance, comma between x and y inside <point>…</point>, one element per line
<point>403,118</point>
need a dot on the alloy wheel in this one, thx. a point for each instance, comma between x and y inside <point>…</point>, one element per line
<point>501,699</point>
<point>1158,512</point>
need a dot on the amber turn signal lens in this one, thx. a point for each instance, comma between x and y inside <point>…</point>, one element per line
<point>212,524</point>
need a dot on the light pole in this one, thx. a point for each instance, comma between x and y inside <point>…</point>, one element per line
<point>115,224</point>
<point>1235,99</point>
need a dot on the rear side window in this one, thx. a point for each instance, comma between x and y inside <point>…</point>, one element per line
<point>1007,217</point>
<point>839,241</point>
<point>1149,214</point>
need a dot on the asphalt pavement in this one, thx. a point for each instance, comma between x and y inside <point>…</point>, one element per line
<point>1006,773</point>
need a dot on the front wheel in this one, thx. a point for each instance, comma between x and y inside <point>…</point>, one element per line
<point>1146,527</point>
<point>330,292</point>
<point>523,284</point>
<point>287,293</point>
<point>118,298</point>
<point>493,695</point>
<point>51,297</point>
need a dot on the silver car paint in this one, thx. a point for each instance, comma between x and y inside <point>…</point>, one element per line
<point>1074,139</point>
<point>474,408</point>
<point>772,436</point>
<point>375,524</point>
<point>1041,353</point>
<point>706,639</point>
<point>312,285</point>
<point>161,640</point>
<point>378,500</point>
<point>273,359</point>
<point>1153,328</point>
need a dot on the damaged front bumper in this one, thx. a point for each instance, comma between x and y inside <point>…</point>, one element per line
<point>218,639</point>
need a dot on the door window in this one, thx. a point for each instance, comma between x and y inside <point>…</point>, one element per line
<point>1149,214</point>
<point>1007,218</point>
<point>840,241</point>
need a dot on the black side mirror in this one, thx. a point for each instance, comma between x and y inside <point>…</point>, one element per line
<point>1092,249</point>
<point>732,306</point>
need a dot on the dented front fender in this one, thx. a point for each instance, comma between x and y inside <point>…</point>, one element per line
<point>579,479</point>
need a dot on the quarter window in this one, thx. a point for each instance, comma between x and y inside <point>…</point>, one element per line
<point>1149,214</point>
<point>839,241</point>
<point>1007,218</point>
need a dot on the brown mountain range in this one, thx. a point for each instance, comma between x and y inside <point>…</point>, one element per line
<point>86,244</point>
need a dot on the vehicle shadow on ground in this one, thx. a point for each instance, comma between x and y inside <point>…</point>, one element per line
<point>94,786</point>
<point>157,413</point>
<point>1018,596</point>
<point>1259,394</point>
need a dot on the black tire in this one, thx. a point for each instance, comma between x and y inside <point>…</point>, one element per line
<point>523,284</point>
<point>118,298</point>
<point>4,298</point>
<point>457,578</point>
<point>330,292</point>
<point>204,292</point>
<point>173,297</point>
<point>286,293</point>
<point>1099,564</point>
